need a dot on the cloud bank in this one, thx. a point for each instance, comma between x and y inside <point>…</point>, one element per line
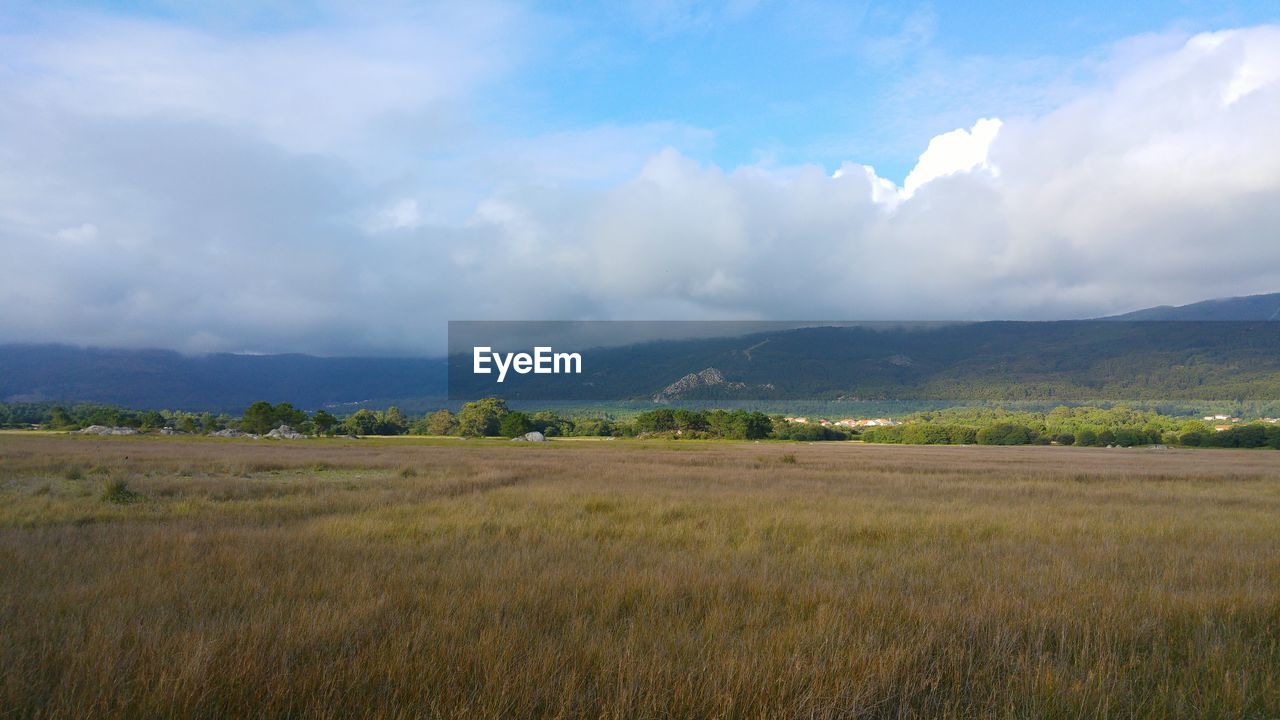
<point>348,192</point>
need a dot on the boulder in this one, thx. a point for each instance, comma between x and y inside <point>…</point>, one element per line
<point>284,432</point>
<point>535,436</point>
<point>233,433</point>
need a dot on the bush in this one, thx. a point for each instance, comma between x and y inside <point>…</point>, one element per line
<point>514,424</point>
<point>1128,437</point>
<point>926,434</point>
<point>1006,434</point>
<point>117,491</point>
<point>1196,438</point>
<point>1065,439</point>
<point>1243,436</point>
<point>891,435</point>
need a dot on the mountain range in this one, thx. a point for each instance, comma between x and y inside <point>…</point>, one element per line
<point>1249,308</point>
<point>1194,352</point>
<point>162,379</point>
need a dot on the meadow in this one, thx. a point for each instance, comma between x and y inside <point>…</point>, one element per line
<point>175,577</point>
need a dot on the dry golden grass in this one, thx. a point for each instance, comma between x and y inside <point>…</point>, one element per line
<point>625,579</point>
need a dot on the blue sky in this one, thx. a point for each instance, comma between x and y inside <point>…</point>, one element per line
<point>767,82</point>
<point>369,171</point>
<point>826,82</point>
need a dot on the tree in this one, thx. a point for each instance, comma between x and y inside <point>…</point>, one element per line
<point>286,414</point>
<point>755,425</point>
<point>1128,437</point>
<point>440,422</point>
<point>1273,437</point>
<point>59,419</point>
<point>324,422</point>
<point>393,422</point>
<point>1194,438</point>
<point>1006,434</point>
<point>263,417</point>
<point>481,418</point>
<point>660,420</point>
<point>362,422</point>
<point>258,417</point>
<point>514,424</point>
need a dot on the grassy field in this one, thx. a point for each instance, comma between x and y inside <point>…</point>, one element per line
<point>163,577</point>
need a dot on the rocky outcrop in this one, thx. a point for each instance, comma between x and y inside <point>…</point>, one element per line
<point>233,433</point>
<point>534,436</point>
<point>104,430</point>
<point>284,432</point>
<point>708,378</point>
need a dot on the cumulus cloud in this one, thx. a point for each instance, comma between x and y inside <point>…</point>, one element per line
<point>163,187</point>
<point>954,152</point>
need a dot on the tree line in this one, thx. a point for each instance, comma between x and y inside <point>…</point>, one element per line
<point>492,417</point>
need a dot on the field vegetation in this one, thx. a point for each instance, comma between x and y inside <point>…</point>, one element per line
<point>208,578</point>
<point>1117,425</point>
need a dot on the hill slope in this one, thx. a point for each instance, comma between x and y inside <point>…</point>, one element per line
<point>994,361</point>
<point>159,379</point>
<point>1070,361</point>
<point>1250,308</point>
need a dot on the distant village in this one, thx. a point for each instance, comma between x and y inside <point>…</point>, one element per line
<point>1221,423</point>
<point>1225,422</point>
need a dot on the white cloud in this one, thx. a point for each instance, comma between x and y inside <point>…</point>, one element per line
<point>955,152</point>
<point>160,187</point>
<point>311,89</point>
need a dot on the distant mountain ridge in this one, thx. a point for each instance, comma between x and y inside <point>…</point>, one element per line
<point>1118,358</point>
<point>1251,308</point>
<point>162,379</point>
<point>1063,361</point>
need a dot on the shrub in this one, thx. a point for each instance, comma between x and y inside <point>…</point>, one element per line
<point>514,424</point>
<point>925,434</point>
<point>1128,437</point>
<point>1065,439</point>
<point>117,491</point>
<point>891,435</point>
<point>1006,434</point>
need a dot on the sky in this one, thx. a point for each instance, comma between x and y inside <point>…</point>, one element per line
<point>343,179</point>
